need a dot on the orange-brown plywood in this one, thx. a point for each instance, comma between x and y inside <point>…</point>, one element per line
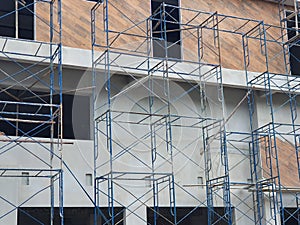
<point>287,162</point>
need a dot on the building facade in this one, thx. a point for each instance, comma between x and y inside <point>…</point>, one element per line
<point>149,112</point>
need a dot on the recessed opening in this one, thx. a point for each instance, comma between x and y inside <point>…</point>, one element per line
<point>72,216</point>
<point>294,43</point>
<point>25,178</point>
<point>25,19</point>
<point>166,29</point>
<point>187,215</point>
<point>76,115</point>
<point>17,20</point>
<point>89,179</point>
<point>148,181</point>
<point>200,182</point>
<point>291,216</point>
<point>8,21</point>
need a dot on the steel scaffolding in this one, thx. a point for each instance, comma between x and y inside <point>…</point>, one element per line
<point>260,199</point>
<point>275,138</point>
<point>125,130</point>
<point>31,77</point>
<point>155,119</point>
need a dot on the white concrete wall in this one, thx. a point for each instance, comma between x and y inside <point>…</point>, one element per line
<point>188,156</point>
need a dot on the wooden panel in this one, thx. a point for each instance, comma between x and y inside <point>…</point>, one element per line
<point>123,14</point>
<point>76,23</point>
<point>287,163</point>
<point>255,9</point>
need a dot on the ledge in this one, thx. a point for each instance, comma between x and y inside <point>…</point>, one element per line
<point>81,59</point>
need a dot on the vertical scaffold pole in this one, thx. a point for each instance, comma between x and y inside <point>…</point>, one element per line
<point>51,112</point>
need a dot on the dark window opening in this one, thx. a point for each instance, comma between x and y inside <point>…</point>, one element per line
<point>294,44</point>
<point>166,35</point>
<point>187,215</point>
<point>17,20</point>
<point>291,216</point>
<point>7,23</point>
<point>25,19</point>
<point>72,216</point>
<point>76,115</point>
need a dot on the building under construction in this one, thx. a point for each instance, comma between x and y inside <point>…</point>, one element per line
<point>153,112</point>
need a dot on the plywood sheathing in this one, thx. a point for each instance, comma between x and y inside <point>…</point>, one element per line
<point>287,162</point>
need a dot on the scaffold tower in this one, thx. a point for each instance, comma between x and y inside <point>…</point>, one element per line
<point>31,112</point>
<point>274,195</point>
<point>141,137</point>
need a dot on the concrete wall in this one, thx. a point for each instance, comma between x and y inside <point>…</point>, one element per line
<point>187,148</point>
